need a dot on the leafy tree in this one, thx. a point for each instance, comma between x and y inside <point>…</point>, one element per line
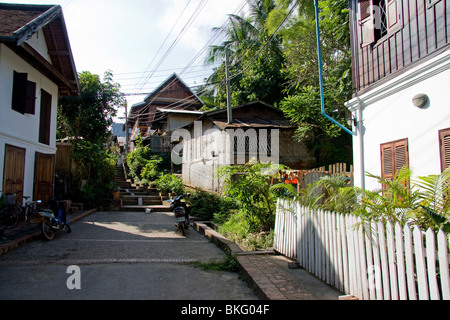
<point>302,105</point>
<point>255,58</point>
<point>86,120</point>
<point>90,115</point>
<point>95,174</point>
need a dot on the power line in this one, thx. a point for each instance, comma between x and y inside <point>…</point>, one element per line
<point>180,35</point>
<point>205,85</point>
<point>167,37</point>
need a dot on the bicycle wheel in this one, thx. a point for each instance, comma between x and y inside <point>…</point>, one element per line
<point>9,217</point>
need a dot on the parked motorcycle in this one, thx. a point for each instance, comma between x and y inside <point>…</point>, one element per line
<point>181,213</point>
<point>52,223</point>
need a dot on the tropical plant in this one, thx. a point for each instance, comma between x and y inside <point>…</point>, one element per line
<point>169,183</point>
<point>329,192</point>
<point>255,58</point>
<point>435,201</point>
<point>249,185</point>
<point>302,104</point>
<point>423,201</point>
<point>211,206</point>
<point>141,164</point>
<point>94,178</point>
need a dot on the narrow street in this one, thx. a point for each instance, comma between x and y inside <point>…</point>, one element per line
<point>120,255</point>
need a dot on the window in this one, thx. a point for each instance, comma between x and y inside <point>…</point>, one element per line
<point>444,145</point>
<point>377,18</point>
<point>24,94</point>
<point>45,117</point>
<point>394,156</point>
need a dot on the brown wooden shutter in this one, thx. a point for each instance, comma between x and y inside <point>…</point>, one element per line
<point>393,16</point>
<point>387,161</point>
<point>444,143</point>
<point>19,92</point>
<point>30,101</point>
<point>24,94</point>
<point>367,22</point>
<point>394,156</point>
<point>45,117</point>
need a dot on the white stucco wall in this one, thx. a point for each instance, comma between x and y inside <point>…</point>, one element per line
<point>388,115</point>
<point>21,130</point>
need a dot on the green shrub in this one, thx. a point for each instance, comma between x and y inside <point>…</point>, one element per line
<point>94,179</point>
<point>238,229</point>
<point>142,165</point>
<point>211,206</point>
<point>169,183</point>
<point>250,185</point>
<point>151,172</point>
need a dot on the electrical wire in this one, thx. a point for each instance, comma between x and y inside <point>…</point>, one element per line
<point>177,39</point>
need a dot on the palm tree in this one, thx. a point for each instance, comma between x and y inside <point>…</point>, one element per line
<point>247,38</point>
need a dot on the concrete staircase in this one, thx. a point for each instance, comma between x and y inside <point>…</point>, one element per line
<point>136,198</point>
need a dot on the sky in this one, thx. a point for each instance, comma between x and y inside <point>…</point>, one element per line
<point>143,42</point>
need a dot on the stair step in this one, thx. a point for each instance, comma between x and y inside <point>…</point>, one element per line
<point>153,208</point>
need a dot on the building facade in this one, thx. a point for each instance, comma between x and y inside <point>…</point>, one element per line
<point>36,68</point>
<point>401,78</point>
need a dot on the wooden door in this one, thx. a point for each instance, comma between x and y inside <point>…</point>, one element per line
<point>44,174</point>
<point>13,171</point>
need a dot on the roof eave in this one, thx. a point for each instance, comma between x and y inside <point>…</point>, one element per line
<point>24,33</point>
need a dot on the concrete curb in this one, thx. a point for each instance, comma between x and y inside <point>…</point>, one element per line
<point>16,243</point>
<point>250,272</point>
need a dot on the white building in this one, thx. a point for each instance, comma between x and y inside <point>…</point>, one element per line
<point>401,80</point>
<point>36,68</point>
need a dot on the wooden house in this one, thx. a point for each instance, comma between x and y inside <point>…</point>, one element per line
<point>36,68</point>
<point>258,133</point>
<point>401,78</point>
<point>144,119</point>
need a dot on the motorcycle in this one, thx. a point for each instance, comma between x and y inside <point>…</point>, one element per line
<point>52,223</point>
<point>181,213</point>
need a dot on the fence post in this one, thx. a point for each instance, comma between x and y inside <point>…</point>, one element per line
<point>420,264</point>
<point>443,265</point>
<point>431,264</point>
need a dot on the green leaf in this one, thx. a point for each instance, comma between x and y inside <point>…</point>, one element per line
<point>435,217</point>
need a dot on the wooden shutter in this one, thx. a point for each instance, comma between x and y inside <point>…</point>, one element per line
<point>19,92</point>
<point>444,143</point>
<point>30,98</point>
<point>394,156</point>
<point>366,21</point>
<point>24,94</point>
<point>393,14</point>
<point>45,117</point>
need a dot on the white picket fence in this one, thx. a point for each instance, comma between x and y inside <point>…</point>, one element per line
<point>374,261</point>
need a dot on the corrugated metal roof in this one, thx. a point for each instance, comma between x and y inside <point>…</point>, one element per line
<point>253,123</point>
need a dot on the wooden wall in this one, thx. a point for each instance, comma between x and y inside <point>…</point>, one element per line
<point>425,31</point>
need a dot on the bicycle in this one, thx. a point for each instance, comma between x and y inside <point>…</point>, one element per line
<point>10,212</point>
<point>13,211</point>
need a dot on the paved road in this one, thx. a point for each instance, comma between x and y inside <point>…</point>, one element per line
<point>120,255</point>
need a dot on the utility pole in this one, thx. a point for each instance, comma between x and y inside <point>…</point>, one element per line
<point>126,128</point>
<point>227,67</point>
